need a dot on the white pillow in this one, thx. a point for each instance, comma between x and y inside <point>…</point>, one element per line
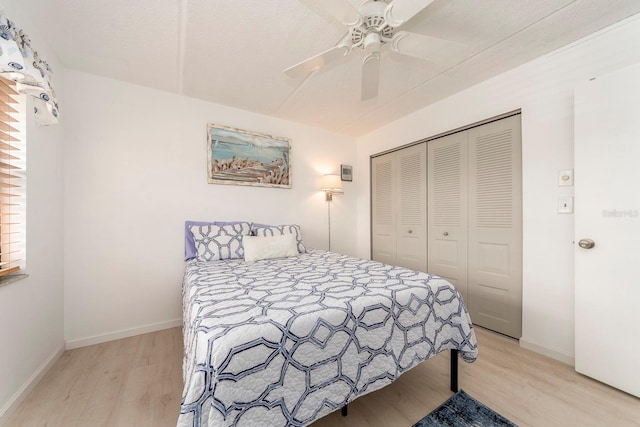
<point>256,247</point>
<point>278,230</point>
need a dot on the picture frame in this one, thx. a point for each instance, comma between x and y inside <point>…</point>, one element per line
<point>242,157</point>
<point>346,173</point>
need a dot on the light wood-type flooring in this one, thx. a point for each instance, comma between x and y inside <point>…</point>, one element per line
<point>138,382</point>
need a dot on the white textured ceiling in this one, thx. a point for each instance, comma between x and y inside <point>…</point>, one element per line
<point>233,52</point>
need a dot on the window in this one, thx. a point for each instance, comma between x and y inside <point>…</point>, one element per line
<point>12,178</point>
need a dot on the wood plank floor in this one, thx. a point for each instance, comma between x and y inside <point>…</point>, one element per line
<point>138,382</point>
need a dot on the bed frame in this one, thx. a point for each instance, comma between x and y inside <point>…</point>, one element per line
<point>453,384</point>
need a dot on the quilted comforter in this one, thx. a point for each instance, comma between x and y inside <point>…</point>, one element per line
<point>286,341</point>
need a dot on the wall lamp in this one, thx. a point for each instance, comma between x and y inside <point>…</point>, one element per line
<point>331,184</point>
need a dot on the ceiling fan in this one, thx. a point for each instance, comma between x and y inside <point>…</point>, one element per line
<point>373,25</point>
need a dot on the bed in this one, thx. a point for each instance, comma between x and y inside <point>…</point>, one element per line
<point>285,341</point>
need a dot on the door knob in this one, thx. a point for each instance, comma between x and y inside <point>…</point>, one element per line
<point>446,233</point>
<point>586,243</point>
<point>410,231</point>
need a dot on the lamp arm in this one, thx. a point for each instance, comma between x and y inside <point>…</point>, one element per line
<point>328,195</point>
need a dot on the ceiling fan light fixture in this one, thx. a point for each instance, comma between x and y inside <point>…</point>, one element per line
<point>372,42</point>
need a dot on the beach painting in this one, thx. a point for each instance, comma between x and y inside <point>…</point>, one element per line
<point>241,157</point>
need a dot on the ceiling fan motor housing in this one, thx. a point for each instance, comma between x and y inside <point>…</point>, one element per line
<point>371,31</point>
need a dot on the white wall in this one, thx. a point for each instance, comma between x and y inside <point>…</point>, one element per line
<point>133,164</point>
<point>543,89</point>
<point>31,310</point>
<point>136,170</point>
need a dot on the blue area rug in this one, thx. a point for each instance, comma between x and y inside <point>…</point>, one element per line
<point>462,410</point>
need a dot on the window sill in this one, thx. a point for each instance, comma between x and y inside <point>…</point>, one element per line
<point>10,278</point>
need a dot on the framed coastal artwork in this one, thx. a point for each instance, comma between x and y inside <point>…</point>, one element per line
<point>242,157</point>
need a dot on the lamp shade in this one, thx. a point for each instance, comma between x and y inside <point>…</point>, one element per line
<point>332,183</point>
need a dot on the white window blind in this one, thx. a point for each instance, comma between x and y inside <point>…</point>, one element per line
<point>12,178</point>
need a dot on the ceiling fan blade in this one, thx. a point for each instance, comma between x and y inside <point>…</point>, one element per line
<point>339,11</point>
<point>370,76</point>
<point>330,55</point>
<point>400,11</point>
<point>439,51</point>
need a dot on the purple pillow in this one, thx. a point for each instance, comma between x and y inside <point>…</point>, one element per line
<point>190,244</point>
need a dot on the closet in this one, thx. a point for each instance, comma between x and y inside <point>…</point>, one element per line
<point>473,216</point>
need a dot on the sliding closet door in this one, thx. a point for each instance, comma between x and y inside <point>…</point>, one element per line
<point>411,227</point>
<point>383,229</point>
<point>447,212</point>
<point>495,226</point>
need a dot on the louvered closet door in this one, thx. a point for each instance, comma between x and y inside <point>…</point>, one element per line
<point>411,227</point>
<point>495,226</point>
<point>382,209</point>
<point>447,178</point>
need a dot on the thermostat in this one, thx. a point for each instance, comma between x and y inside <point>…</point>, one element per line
<point>346,172</point>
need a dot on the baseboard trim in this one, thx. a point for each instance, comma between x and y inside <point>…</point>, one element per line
<point>556,355</point>
<point>126,333</point>
<point>10,407</point>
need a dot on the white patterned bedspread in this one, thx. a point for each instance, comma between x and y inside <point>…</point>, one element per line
<point>286,341</point>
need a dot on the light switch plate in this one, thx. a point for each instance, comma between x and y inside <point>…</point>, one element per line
<point>565,204</point>
<point>565,177</point>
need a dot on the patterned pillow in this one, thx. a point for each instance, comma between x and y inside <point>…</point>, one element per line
<point>216,242</point>
<point>279,230</point>
<point>189,244</point>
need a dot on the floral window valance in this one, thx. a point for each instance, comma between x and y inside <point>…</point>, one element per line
<point>20,63</point>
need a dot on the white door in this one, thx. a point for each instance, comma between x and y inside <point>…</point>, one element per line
<point>607,211</point>
<point>399,208</point>
<point>495,226</point>
<point>475,220</point>
<point>411,227</point>
<point>447,209</point>
<point>383,230</point>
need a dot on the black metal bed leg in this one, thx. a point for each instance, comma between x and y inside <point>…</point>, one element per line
<point>345,410</point>
<point>454,370</point>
